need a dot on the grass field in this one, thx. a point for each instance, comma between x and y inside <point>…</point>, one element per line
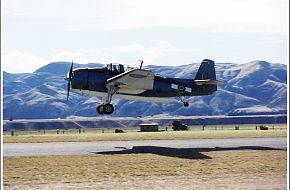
<point>166,135</point>
<point>210,170</point>
<point>135,129</point>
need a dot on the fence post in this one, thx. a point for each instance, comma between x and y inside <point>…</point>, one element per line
<point>103,130</point>
<point>80,131</point>
<point>203,127</point>
<point>57,131</point>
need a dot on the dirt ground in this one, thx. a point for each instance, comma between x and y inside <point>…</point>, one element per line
<point>231,182</point>
<point>255,169</point>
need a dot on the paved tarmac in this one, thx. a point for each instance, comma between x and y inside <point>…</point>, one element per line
<point>142,146</point>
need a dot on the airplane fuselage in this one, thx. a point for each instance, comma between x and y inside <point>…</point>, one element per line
<point>92,82</point>
<point>139,84</point>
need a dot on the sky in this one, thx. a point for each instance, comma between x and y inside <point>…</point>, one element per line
<point>159,32</point>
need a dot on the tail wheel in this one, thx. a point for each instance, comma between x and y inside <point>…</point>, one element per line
<point>186,104</point>
<point>181,88</point>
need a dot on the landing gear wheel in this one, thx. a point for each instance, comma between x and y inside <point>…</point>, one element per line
<point>100,109</point>
<point>186,104</point>
<point>181,88</point>
<point>105,109</point>
<point>108,108</point>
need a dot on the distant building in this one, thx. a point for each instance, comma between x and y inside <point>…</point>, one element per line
<point>149,127</point>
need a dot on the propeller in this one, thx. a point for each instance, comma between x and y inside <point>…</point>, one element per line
<point>69,79</point>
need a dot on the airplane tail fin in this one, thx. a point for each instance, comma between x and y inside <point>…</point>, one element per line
<point>206,75</point>
<point>206,71</point>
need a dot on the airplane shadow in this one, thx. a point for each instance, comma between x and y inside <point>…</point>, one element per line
<point>185,153</point>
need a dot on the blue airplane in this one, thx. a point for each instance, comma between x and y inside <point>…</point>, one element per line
<point>139,84</point>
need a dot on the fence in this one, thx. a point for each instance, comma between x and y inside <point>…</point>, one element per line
<point>135,129</point>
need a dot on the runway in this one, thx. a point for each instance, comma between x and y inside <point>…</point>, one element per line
<point>142,146</point>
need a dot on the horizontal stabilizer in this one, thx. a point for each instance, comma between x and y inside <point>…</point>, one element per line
<point>207,82</point>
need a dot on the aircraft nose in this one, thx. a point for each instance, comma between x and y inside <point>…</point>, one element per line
<point>67,77</point>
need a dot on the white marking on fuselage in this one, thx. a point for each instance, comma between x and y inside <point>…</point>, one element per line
<point>175,86</point>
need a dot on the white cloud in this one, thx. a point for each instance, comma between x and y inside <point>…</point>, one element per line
<point>266,16</point>
<point>107,58</point>
<point>78,57</point>
<point>18,62</point>
<point>131,52</point>
<point>102,31</point>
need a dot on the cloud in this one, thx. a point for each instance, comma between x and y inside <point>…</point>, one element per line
<point>250,16</point>
<point>109,58</point>
<point>129,53</point>
<point>18,62</point>
<point>78,57</point>
<point>128,30</point>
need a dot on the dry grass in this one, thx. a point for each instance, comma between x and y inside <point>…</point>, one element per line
<point>219,170</point>
<point>168,135</point>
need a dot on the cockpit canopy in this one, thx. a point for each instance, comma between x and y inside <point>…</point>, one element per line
<point>117,67</point>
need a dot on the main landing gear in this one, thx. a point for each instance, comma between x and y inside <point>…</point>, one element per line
<point>106,107</point>
<point>185,103</point>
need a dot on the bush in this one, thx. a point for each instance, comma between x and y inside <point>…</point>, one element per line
<point>119,131</point>
<point>262,127</point>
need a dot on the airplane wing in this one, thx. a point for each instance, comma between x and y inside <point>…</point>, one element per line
<point>207,81</point>
<point>133,81</point>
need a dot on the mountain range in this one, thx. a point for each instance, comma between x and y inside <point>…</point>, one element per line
<point>257,87</point>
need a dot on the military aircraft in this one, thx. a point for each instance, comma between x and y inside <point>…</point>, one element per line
<point>139,84</point>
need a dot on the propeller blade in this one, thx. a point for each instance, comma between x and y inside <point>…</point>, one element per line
<point>68,88</point>
<point>69,79</point>
<point>71,69</point>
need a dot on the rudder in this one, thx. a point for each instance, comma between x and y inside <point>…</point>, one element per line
<point>206,70</point>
